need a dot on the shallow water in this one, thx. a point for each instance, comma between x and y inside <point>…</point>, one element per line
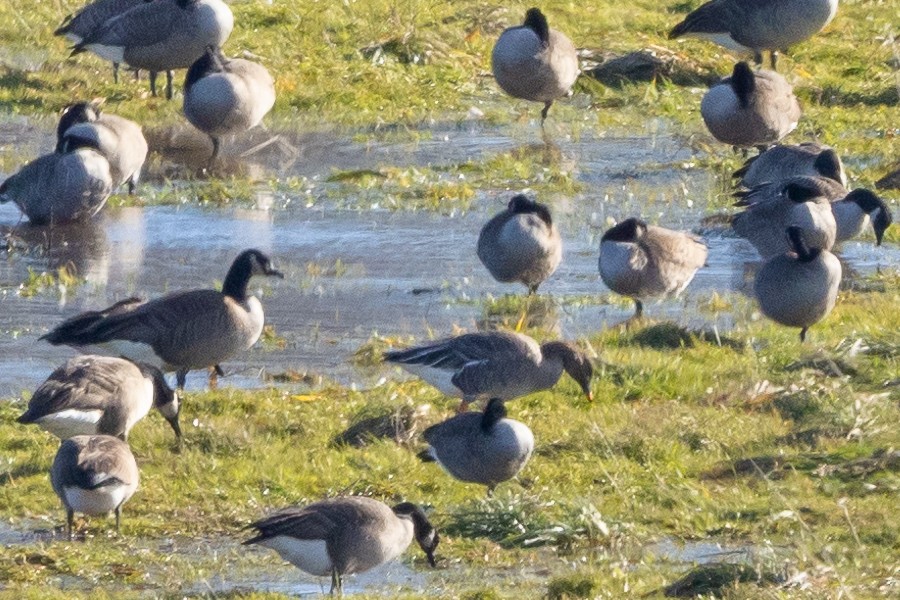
<point>351,272</point>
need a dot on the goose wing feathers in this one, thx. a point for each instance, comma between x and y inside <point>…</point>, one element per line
<point>99,462</point>
<point>459,352</point>
<point>144,25</point>
<point>319,521</point>
<point>82,382</point>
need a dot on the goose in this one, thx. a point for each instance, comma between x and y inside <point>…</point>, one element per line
<point>182,331</point>
<point>120,140</point>
<point>750,109</point>
<point>757,25</point>
<point>93,475</point>
<point>521,244</point>
<point>223,96</point>
<point>644,261</point>
<point>343,536</point>
<point>784,161</point>
<point>75,27</point>
<point>533,62</point>
<point>63,186</point>
<point>798,288</point>
<point>494,364</point>
<point>90,395</point>
<point>483,448</point>
<point>161,36</point>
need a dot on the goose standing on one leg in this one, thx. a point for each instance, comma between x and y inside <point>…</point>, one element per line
<point>644,261</point>
<point>342,536</point>
<point>533,62</point>
<point>188,330</point>
<point>224,96</point>
<point>521,244</point>
<point>800,287</point>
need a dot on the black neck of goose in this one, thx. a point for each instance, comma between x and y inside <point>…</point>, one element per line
<point>537,22</point>
<point>162,393</point>
<point>71,143</point>
<point>798,245</point>
<point>238,278</point>
<point>493,413</point>
<point>522,205</point>
<point>80,112</point>
<point>628,230</point>
<point>743,82</point>
<point>828,164</point>
<point>424,532</point>
<point>876,208</point>
<point>212,61</point>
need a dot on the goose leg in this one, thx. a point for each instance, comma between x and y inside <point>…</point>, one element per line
<point>215,152</point>
<point>180,377</point>
<point>774,57</point>
<point>153,83</point>
<point>544,112</point>
<point>213,377</point>
<point>758,58</point>
<point>337,586</point>
<point>115,72</point>
<point>638,309</point>
<point>131,186</point>
<point>169,85</point>
<point>532,289</point>
<point>463,406</point>
<point>803,334</point>
<point>70,519</point>
<point>118,517</point>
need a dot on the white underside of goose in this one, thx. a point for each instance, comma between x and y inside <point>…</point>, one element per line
<point>99,501</point>
<point>111,53</point>
<point>71,422</point>
<point>439,378</point>
<point>133,351</point>
<point>308,555</point>
<point>723,39</point>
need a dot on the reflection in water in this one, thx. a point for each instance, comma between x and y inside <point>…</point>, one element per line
<point>81,247</point>
<point>521,313</point>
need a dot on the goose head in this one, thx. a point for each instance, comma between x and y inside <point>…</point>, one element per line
<point>743,82</point>
<point>79,112</point>
<point>165,399</point>
<point>799,247</point>
<point>828,164</point>
<point>426,535</point>
<point>629,230</point>
<point>575,362</point>
<point>522,205</point>
<point>247,264</point>
<point>875,207</point>
<point>493,412</point>
<point>537,22</point>
<point>212,61</point>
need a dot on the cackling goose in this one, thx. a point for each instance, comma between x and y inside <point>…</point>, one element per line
<point>782,162</point>
<point>182,331</point>
<point>757,25</point>
<point>483,448</point>
<point>223,96</point>
<point>91,395</point>
<point>342,536</point>
<point>644,261</point>
<point>521,244</point>
<point>533,62</point>
<point>161,36</point>
<point>93,475</point>
<point>750,109</point>
<point>798,288</point>
<point>494,364</point>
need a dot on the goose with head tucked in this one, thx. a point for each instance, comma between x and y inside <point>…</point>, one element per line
<point>782,162</point>
<point>521,244</point>
<point>226,95</point>
<point>179,332</point>
<point>485,448</point>
<point>90,395</point>
<point>93,475</point>
<point>494,364</point>
<point>161,36</point>
<point>750,109</point>
<point>346,535</point>
<point>643,261</point>
<point>534,62</point>
<point>800,287</point>
<point>757,25</point>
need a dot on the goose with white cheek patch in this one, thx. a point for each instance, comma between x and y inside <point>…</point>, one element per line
<point>800,287</point>
<point>343,536</point>
<point>782,162</point>
<point>179,332</point>
<point>93,475</point>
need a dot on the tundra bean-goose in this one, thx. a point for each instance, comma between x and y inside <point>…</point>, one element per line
<point>76,26</point>
<point>93,475</point>
<point>750,109</point>
<point>784,161</point>
<point>645,261</point>
<point>798,288</point>
<point>484,448</point>
<point>343,536</point>
<point>521,244</point>
<point>121,141</point>
<point>757,25</point>
<point>187,330</point>
<point>161,35</point>
<point>91,395</point>
<point>533,62</point>
<point>226,95</point>
<point>68,185</point>
<point>494,364</point>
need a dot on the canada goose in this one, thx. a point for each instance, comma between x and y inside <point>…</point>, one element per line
<point>855,210</point>
<point>494,364</point>
<point>161,36</point>
<point>644,261</point>
<point>772,25</point>
<point>750,109</point>
<point>533,62</point>
<point>121,141</point>
<point>223,96</point>
<point>91,395</point>
<point>342,536</point>
<point>182,331</point>
<point>93,475</point>
<point>76,27</point>
<point>483,448</point>
<point>63,186</point>
<point>782,162</point>
<point>798,288</point>
<point>521,243</point>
